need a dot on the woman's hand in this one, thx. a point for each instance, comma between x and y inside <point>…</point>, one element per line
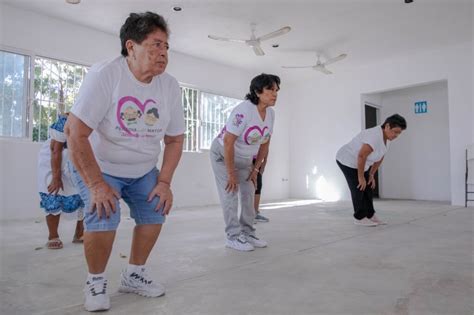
<point>362,184</point>
<point>162,191</point>
<point>232,183</point>
<point>103,199</point>
<point>253,176</point>
<point>55,186</point>
<point>371,182</point>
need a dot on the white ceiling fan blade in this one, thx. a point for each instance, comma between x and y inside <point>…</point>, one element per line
<point>322,69</point>
<point>274,34</point>
<point>225,39</point>
<point>335,59</point>
<point>296,67</point>
<point>258,50</point>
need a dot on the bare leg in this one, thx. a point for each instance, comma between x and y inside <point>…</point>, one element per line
<point>79,229</point>
<point>53,222</point>
<point>97,249</point>
<point>144,238</point>
<point>256,203</point>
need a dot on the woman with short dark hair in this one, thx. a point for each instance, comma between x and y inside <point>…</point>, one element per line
<point>246,134</point>
<point>132,105</point>
<point>360,159</point>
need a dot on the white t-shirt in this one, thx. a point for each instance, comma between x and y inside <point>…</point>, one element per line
<point>348,153</point>
<point>129,117</point>
<point>246,123</point>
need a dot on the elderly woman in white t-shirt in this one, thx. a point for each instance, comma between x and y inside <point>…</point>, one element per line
<point>360,159</point>
<point>245,135</point>
<point>126,108</point>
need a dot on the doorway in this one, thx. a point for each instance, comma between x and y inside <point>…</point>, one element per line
<point>371,115</point>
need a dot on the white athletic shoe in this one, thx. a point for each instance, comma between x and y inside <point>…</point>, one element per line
<point>377,220</point>
<point>140,283</point>
<point>96,297</point>
<point>365,222</point>
<point>241,243</point>
<point>256,242</point>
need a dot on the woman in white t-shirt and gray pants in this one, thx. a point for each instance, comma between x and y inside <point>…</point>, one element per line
<point>360,159</point>
<point>246,134</point>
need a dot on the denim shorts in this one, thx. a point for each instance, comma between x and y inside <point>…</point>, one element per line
<point>134,192</point>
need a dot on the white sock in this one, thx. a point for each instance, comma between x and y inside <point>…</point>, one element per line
<point>91,277</point>
<point>134,268</point>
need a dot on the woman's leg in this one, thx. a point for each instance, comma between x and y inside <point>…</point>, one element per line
<point>53,222</point>
<point>246,191</point>
<point>229,200</point>
<point>256,203</point>
<point>357,196</point>
<point>78,233</point>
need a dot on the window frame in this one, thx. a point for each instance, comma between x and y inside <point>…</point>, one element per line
<point>27,90</point>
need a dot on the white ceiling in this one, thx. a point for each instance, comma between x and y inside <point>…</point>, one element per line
<point>365,29</point>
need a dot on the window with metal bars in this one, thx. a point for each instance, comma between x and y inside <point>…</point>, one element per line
<point>215,109</point>
<point>205,115</point>
<point>189,98</point>
<point>55,87</point>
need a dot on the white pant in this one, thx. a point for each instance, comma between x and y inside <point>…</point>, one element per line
<point>229,200</point>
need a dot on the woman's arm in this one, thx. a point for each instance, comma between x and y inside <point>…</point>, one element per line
<point>372,172</point>
<point>229,142</point>
<point>260,162</point>
<point>103,197</point>
<point>171,156</point>
<point>262,155</point>
<point>364,152</point>
<point>56,184</point>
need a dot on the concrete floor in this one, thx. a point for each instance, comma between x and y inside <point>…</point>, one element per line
<point>318,262</point>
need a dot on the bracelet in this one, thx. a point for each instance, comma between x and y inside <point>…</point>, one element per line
<point>256,169</point>
<point>164,182</point>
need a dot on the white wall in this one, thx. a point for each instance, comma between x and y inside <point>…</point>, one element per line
<point>329,113</point>
<point>417,164</point>
<point>193,183</point>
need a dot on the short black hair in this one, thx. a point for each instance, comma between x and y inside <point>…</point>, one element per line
<point>395,121</point>
<point>260,82</point>
<point>138,26</point>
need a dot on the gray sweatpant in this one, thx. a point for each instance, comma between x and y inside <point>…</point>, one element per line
<point>229,201</point>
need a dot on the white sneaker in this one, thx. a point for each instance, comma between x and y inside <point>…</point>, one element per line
<point>364,222</point>
<point>96,295</point>
<point>241,243</point>
<point>256,242</point>
<point>377,220</point>
<point>140,283</point>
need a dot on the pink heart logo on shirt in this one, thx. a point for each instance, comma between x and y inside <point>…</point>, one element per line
<point>136,102</point>
<point>261,131</point>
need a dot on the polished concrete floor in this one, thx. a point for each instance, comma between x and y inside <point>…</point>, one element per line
<point>317,262</point>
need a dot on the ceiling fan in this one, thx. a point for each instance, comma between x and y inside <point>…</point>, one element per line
<point>321,66</point>
<point>254,41</point>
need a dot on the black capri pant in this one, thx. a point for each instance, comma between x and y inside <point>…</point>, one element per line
<point>258,189</point>
<point>362,201</point>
